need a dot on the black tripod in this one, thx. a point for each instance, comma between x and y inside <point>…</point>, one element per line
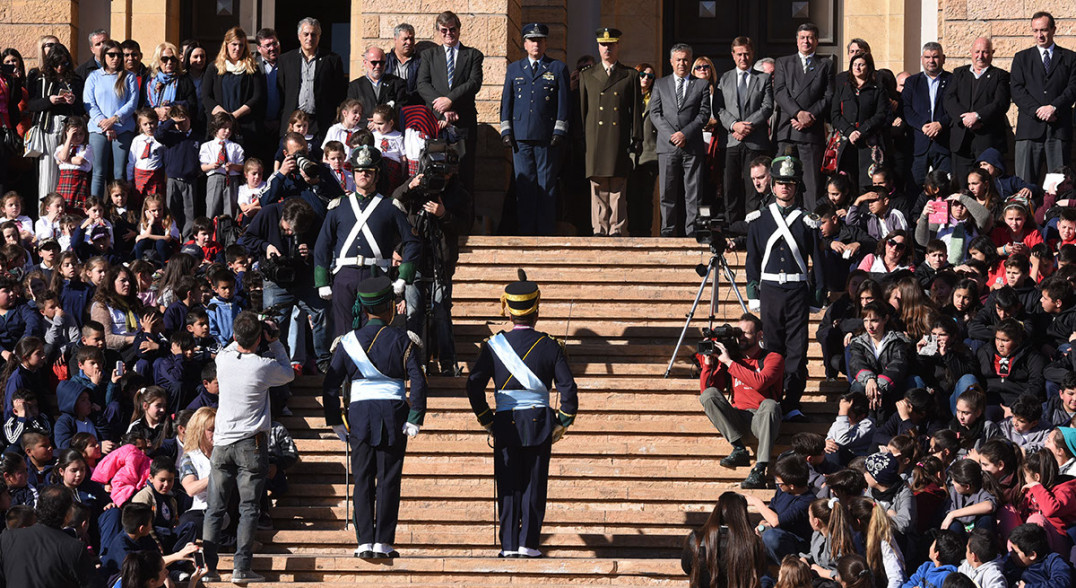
<point>714,268</point>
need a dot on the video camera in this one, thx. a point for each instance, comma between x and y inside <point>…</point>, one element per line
<point>282,271</point>
<point>436,163</point>
<point>726,334</point>
<point>710,230</point>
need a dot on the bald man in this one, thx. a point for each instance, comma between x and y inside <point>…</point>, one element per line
<point>377,87</point>
<point>977,101</point>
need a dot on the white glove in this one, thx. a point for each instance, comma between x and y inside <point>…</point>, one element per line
<point>398,287</point>
<point>753,304</point>
<point>558,432</point>
<point>326,292</point>
<point>410,429</point>
<point>341,432</point>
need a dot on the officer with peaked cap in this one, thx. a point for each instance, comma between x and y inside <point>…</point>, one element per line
<point>375,361</point>
<point>357,238</point>
<point>781,246</point>
<point>523,363</point>
<point>535,106</point>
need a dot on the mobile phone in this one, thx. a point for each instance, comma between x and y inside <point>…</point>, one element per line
<point>199,559</point>
<point>119,367</point>
<point>7,69</point>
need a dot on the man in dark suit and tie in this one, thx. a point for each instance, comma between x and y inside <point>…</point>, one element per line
<point>976,101</point>
<point>402,61</point>
<point>311,80</point>
<point>744,102</point>
<point>377,87</point>
<point>924,111</point>
<point>803,88</point>
<point>449,78</point>
<point>268,62</point>
<point>1043,84</point>
<point>679,109</point>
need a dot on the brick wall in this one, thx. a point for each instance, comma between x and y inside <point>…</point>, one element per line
<point>1007,22</point>
<point>23,21</point>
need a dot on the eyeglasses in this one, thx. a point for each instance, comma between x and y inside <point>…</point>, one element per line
<point>445,31</point>
<point>169,59</point>
<point>113,54</point>
<point>895,244</point>
<point>646,76</point>
<point>375,63</point>
<point>701,66</point>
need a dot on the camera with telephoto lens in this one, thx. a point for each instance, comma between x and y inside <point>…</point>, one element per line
<point>726,334</point>
<point>710,230</point>
<point>307,165</point>
<point>436,163</point>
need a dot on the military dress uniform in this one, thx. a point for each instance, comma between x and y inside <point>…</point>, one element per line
<point>780,244</point>
<point>356,242</point>
<point>523,363</point>
<point>611,106</point>
<point>375,360</point>
<point>535,106</point>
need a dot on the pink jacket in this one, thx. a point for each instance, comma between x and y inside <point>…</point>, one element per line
<point>1058,504</point>
<point>126,469</point>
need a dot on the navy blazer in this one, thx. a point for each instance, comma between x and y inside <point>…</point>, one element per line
<point>1032,87</point>
<point>391,62</point>
<point>915,101</point>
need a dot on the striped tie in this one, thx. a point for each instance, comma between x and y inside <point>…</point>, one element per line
<point>451,65</point>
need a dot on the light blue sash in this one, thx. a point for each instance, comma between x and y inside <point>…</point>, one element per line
<point>534,394</point>
<point>373,385</point>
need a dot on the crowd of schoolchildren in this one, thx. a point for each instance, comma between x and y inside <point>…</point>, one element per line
<point>952,460</point>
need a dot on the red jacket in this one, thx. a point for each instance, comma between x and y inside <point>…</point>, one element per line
<point>750,383</point>
<point>1057,504</point>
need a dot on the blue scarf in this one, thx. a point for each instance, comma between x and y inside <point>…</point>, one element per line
<point>167,94</point>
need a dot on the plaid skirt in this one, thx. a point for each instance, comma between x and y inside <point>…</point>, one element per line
<point>74,186</point>
<point>149,181</point>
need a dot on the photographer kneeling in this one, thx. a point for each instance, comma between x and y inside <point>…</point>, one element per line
<point>755,385</point>
<point>437,205</point>
<point>281,237</point>
<point>303,177</point>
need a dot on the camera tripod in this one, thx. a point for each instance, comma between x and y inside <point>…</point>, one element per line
<point>717,265</point>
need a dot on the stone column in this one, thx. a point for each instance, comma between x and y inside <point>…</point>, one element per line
<point>147,21</point>
<point>23,21</point>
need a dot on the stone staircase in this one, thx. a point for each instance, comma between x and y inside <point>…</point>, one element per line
<point>634,474</point>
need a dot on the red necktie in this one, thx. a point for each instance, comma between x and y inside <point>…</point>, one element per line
<point>343,177</point>
<point>347,141</point>
<point>145,152</point>
<point>223,157</point>
<point>384,145</point>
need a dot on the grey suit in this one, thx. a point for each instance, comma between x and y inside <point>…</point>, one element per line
<point>680,169</point>
<point>755,107</point>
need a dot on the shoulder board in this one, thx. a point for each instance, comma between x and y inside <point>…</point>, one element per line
<point>399,205</point>
<point>753,215</point>
<point>560,342</point>
<point>335,342</point>
<point>335,202</point>
<point>811,221</point>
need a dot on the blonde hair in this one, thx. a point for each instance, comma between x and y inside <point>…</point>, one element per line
<point>200,421</point>
<point>154,65</point>
<point>166,215</point>
<point>235,34</point>
<point>41,49</point>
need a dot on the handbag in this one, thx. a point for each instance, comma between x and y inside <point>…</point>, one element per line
<point>10,142</point>
<point>35,136</point>
<point>830,156</point>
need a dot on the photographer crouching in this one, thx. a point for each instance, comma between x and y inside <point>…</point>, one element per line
<point>281,238</point>
<point>438,207</point>
<point>734,362</point>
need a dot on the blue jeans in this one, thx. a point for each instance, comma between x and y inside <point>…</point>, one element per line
<point>104,151</point>
<point>162,246</point>
<point>241,466</point>
<point>306,298</point>
<point>962,384</point>
<point>780,543</point>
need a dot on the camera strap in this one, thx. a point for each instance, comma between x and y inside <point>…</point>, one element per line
<point>783,232</point>
<point>361,219</point>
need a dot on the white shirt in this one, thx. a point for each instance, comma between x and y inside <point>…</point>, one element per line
<point>1044,50</point>
<point>248,195</point>
<point>452,54</point>
<point>338,132</point>
<point>138,147</point>
<point>979,74</point>
<point>803,60</point>
<point>391,145</point>
<point>210,151</point>
<point>80,150</point>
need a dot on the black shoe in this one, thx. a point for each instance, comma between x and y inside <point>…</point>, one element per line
<point>367,554</point>
<point>737,459</point>
<point>756,480</point>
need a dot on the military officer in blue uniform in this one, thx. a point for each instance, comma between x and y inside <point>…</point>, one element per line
<point>360,231</point>
<point>535,106</point>
<point>373,363</point>
<point>523,363</point>
<point>781,244</point>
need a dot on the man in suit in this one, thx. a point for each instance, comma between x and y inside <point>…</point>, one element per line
<point>1043,84</point>
<point>311,80</point>
<point>803,88</point>
<point>97,40</point>
<point>535,107</point>
<point>449,78</point>
<point>976,102</point>
<point>679,109</point>
<point>924,111</point>
<point>744,102</point>
<point>376,87</point>
<point>402,61</point>
<point>611,107</point>
<point>268,61</point>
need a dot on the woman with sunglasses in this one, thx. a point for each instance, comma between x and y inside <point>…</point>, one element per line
<point>703,69</point>
<point>55,94</point>
<point>894,253</point>
<point>645,174</point>
<point>45,43</point>
<point>166,82</point>
<point>111,97</point>
<point>233,84</point>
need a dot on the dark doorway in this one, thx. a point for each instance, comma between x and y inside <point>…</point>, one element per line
<point>335,19</point>
<point>207,21</point>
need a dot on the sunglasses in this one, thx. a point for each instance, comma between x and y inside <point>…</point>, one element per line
<point>895,244</point>
<point>367,172</point>
<point>113,54</point>
<point>169,59</point>
<point>646,76</point>
<point>376,63</point>
<point>49,45</point>
<point>445,31</point>
<point>702,66</point>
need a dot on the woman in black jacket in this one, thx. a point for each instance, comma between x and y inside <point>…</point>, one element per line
<point>859,112</point>
<point>55,94</point>
<point>167,83</point>
<point>1010,368</point>
<point>234,85</point>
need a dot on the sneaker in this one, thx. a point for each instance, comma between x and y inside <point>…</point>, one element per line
<point>756,480</point>
<point>737,459</point>
<point>245,576</point>
<point>210,576</point>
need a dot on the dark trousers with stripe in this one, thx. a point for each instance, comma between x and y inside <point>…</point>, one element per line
<point>377,471</point>
<point>345,291</point>
<point>522,474</point>
<point>785,312</point>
